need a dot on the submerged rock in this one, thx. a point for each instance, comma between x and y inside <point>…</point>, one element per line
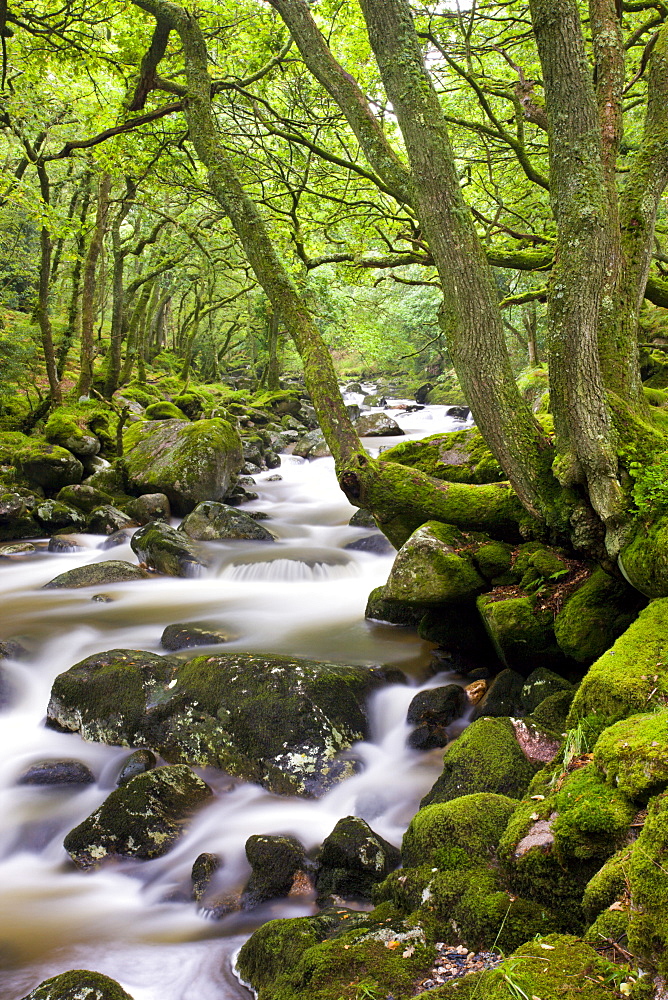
<point>278,721</point>
<point>191,634</point>
<point>188,462</point>
<point>96,574</point>
<point>57,772</point>
<point>212,522</point>
<point>166,550</point>
<point>138,762</point>
<point>142,819</point>
<point>79,983</point>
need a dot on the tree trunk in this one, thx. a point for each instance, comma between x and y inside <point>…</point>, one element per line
<point>42,311</point>
<point>65,345</point>
<point>89,286</point>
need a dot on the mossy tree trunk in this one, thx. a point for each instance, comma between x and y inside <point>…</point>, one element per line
<point>89,286</point>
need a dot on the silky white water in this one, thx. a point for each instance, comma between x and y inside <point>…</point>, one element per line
<point>302,596</point>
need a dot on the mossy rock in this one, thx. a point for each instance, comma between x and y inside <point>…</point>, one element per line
<point>550,968</point>
<point>274,720</point>
<point>648,881</point>
<point>560,836</point>
<point>633,755</point>
<point>54,515</point>
<point>12,442</point>
<point>644,560</point>
<point>456,457</point>
<point>608,885</point>
<point>521,635</point>
<point>458,628</point>
<point>212,522</point>
<point>99,574</point>
<point>474,823</point>
<point>79,984</point>
<point>485,758</point>
<point>48,466</point>
<point>188,462</point>
<point>274,862</point>
<point>632,676</point>
<point>494,559</point>
<point>539,685</point>
<point>503,696</point>
<point>552,713</point>
<point>352,859</point>
<point>142,819</point>
<point>594,616</point>
<point>446,390</point>
<point>429,570</point>
<point>335,956</point>
<point>70,427</point>
<point>394,612</point>
<point>164,410</point>
<point>167,550</point>
<point>84,497</point>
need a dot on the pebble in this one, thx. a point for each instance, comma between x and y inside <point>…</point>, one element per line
<point>455,962</point>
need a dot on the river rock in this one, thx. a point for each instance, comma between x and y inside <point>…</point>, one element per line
<point>274,861</point>
<point>428,568</point>
<point>140,820</point>
<point>189,462</point>
<point>431,712</point>
<point>377,544</point>
<point>57,772</point>
<point>353,859</point>
<point>138,762</point>
<point>378,425</point>
<point>107,520</point>
<point>503,696</point>
<point>539,685</point>
<point>204,868</point>
<point>190,634</point>
<point>274,720</point>
<point>96,574</point>
<point>363,519</point>
<point>79,983</point>
<point>312,445</point>
<point>10,650</point>
<point>52,515</point>
<point>166,550</point>
<point>49,466</point>
<point>150,507</point>
<point>65,543</point>
<point>394,612</point>
<point>212,522</point>
<point>521,633</point>
<point>84,497</point>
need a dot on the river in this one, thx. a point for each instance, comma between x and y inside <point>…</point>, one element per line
<point>305,596</point>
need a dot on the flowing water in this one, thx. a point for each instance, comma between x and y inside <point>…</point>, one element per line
<point>304,596</point>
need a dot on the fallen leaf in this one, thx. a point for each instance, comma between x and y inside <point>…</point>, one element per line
<point>393,944</point>
<point>616,906</point>
<point>548,947</point>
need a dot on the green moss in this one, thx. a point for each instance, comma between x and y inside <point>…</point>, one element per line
<point>485,758</point>
<point>630,677</point>
<point>644,560</point>
<point>648,879</point>
<point>68,425</point>
<point>592,817</point>
<point>633,755</point>
<point>521,635</point>
<point>555,967</point>
<point>79,984</point>
<point>472,822</point>
<point>608,884</point>
<point>10,443</point>
<point>164,410</point>
<point>552,712</point>
<point>594,616</point>
<point>456,457</point>
<point>428,569</point>
<point>655,397</point>
<point>493,559</point>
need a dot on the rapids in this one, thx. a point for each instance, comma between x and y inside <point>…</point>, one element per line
<point>304,596</point>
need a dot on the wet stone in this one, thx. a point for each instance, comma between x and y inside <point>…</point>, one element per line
<point>138,762</point>
<point>93,575</point>
<point>107,520</point>
<point>188,634</point>
<point>65,543</point>
<point>79,983</point>
<point>10,650</point>
<point>57,772</point>
<point>204,868</point>
<point>16,549</point>
<point>116,538</point>
<point>378,544</point>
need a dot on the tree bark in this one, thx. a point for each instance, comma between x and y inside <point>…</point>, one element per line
<point>89,286</point>
<point>42,310</point>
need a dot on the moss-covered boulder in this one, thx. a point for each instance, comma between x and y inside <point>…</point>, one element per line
<point>457,627</point>
<point>278,721</point>
<point>312,445</point>
<point>394,612</point>
<point>275,861</point>
<point>428,568</point>
<point>644,560</point>
<point>107,520</point>
<point>48,466</point>
<point>648,882</point>
<point>188,635</point>
<point>149,507</point>
<point>99,574</point>
<point>167,550</point>
<point>336,956</point>
<point>53,516</point>
<point>473,823</point>
<point>633,755</point>
<point>549,968</point>
<point>446,390</point>
<point>142,819</point>
<point>456,456</point>
<point>632,676</point>
<point>189,462</point>
<point>520,632</point>
<point>353,859</point>
<point>485,758</point>
<point>565,829</point>
<point>378,425</point>
<point>503,696</point>
<point>539,685</point>
<point>163,410</point>
<point>83,428</point>
<point>79,984</point>
<point>595,615</point>
<point>431,712</point>
<point>608,885</point>
<point>84,497</point>
<point>212,522</point>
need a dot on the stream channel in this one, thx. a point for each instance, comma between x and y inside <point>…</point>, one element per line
<point>304,596</point>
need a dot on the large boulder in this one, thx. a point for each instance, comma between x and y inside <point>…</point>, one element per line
<point>278,721</point>
<point>378,425</point>
<point>141,819</point>
<point>79,983</point>
<point>455,456</point>
<point>595,615</point>
<point>49,466</point>
<point>521,632</point>
<point>188,462</point>
<point>212,522</point>
<point>429,568</point>
<point>54,516</point>
<point>167,550</point>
